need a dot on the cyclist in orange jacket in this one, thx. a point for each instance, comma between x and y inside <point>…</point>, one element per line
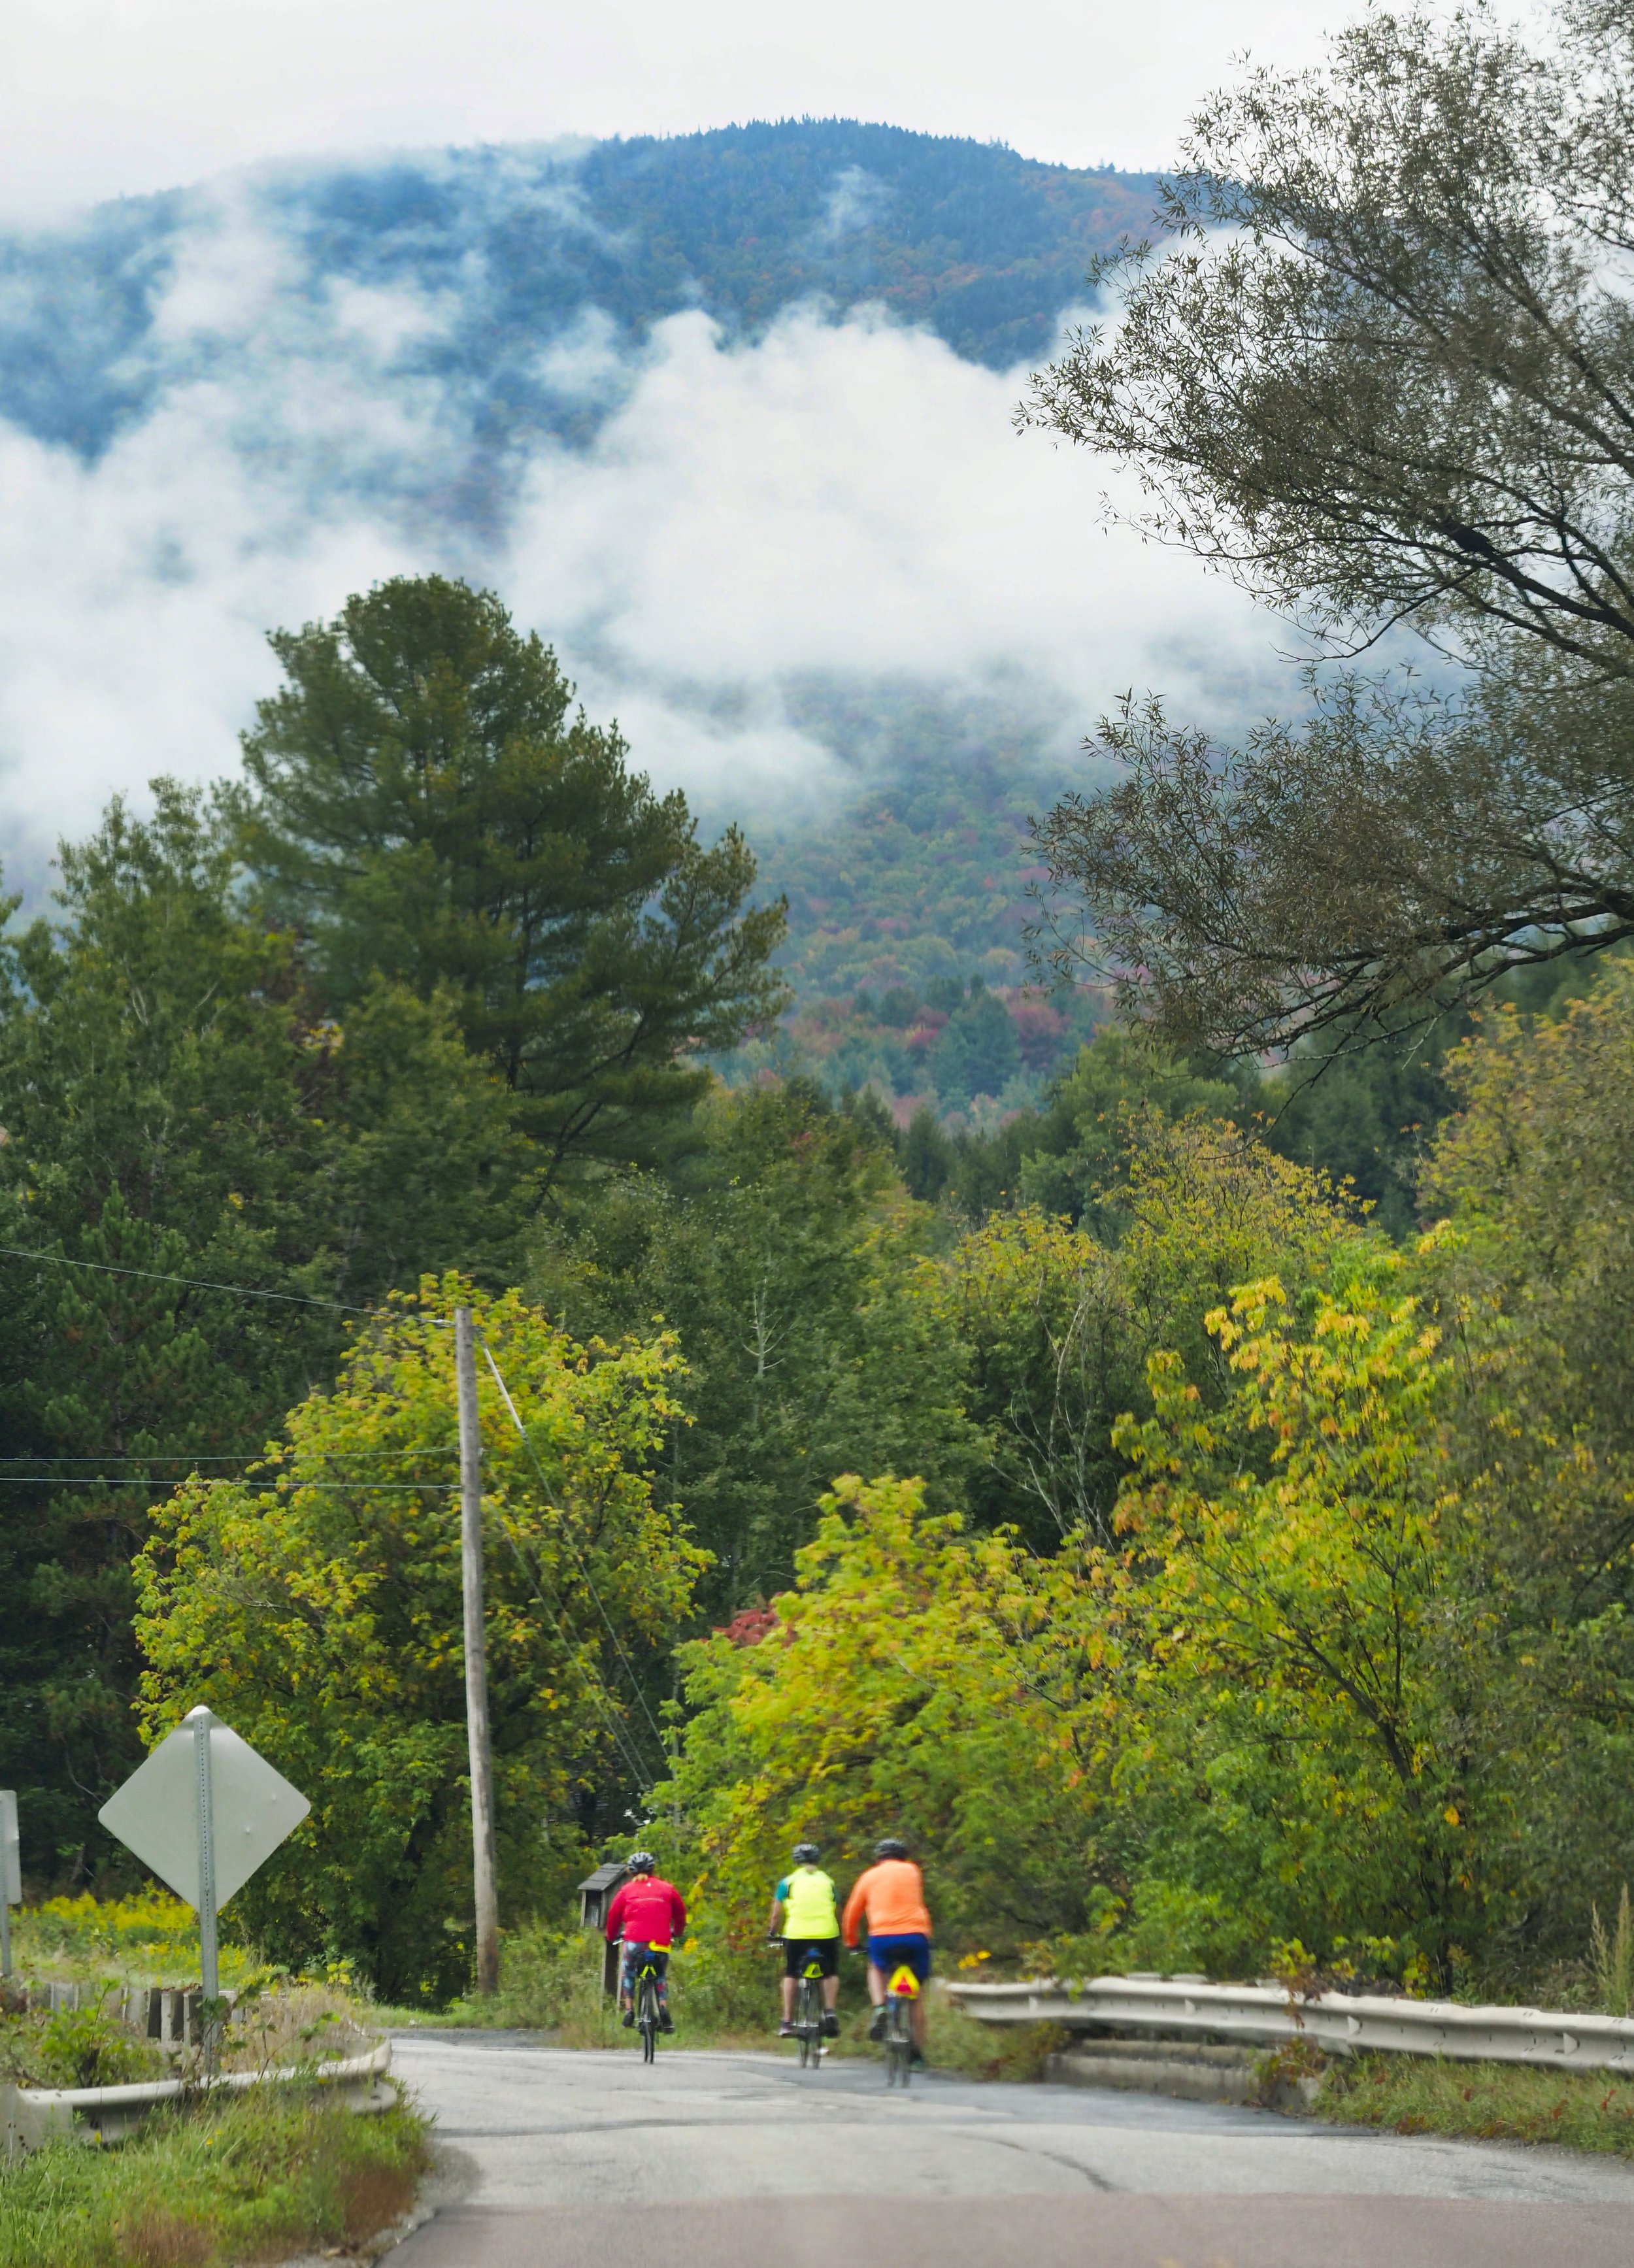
<point>890,1898</point>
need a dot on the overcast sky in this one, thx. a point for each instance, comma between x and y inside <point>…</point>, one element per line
<point>100,97</point>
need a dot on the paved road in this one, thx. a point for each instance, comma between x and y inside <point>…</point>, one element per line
<point>718,2160</point>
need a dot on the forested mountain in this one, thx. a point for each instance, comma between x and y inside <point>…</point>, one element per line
<point>912,888</point>
<point>407,337</point>
<point>515,252</point>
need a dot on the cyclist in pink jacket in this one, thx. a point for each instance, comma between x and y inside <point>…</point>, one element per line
<point>646,1914</point>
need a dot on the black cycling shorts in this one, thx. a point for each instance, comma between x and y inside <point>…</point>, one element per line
<point>798,1953</point>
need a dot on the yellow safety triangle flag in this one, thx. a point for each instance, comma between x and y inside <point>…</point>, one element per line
<point>903,1981</point>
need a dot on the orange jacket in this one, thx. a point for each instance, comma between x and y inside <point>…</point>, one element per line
<point>892,1895</point>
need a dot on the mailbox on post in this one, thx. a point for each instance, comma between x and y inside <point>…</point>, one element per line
<point>596,1894</point>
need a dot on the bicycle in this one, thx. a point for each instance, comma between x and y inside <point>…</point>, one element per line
<point>649,2008</point>
<point>899,1996</point>
<point>808,2014</point>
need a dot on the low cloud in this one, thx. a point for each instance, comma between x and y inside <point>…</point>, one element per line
<point>855,201</point>
<point>850,497</point>
<point>839,501</point>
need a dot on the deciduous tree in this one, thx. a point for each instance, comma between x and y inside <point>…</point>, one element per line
<point>317,1609</point>
<point>1384,378</point>
<point>797,1272</point>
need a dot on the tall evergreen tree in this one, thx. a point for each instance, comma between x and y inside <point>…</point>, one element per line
<point>428,805</point>
<point>178,1118</point>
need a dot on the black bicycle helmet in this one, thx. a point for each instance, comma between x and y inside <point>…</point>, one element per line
<point>807,1854</point>
<point>642,1862</point>
<point>893,1847</point>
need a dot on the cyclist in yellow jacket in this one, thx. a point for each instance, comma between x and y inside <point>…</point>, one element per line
<point>805,1914</point>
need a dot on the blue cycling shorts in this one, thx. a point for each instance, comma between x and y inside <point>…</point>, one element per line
<point>635,1953</point>
<point>888,1953</point>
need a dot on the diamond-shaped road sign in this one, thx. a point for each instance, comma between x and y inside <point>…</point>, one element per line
<point>156,1814</point>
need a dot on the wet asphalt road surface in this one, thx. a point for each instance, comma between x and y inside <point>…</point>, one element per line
<point>742,2161</point>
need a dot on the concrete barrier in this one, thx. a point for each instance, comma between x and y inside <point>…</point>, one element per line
<point>1192,2070</point>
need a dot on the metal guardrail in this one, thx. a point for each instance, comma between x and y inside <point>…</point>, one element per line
<point>31,2115</point>
<point>1265,2015</point>
<point>168,2014</point>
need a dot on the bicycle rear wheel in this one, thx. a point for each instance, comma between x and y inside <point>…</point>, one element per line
<point>899,2041</point>
<point>809,2021</point>
<point>648,2019</point>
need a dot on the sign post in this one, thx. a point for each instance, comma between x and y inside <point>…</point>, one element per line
<point>483,1866</point>
<point>203,1813</point>
<point>10,1875</point>
<point>210,1964</point>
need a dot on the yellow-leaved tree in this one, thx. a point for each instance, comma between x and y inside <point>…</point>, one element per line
<point>904,1686</point>
<point>1290,1732</point>
<point>317,1607</point>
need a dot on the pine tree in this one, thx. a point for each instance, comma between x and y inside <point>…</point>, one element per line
<point>429,806</point>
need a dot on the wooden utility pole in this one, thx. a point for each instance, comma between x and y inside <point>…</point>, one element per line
<point>476,1658</point>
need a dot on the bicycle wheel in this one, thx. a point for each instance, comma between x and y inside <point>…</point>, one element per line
<point>899,2041</point>
<point>648,2019</point>
<point>808,2020</point>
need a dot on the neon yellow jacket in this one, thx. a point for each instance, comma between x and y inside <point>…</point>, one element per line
<point>810,1904</point>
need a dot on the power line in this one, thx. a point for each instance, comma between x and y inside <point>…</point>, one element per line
<point>573,1548</point>
<point>288,1487</point>
<point>215,1457</point>
<point>225,1457</point>
<point>396,1488</point>
<point>199,1283</point>
<point>599,1692</point>
<point>622,1737</point>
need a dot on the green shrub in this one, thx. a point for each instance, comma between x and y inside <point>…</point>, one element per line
<point>90,2047</point>
<point>725,1991</point>
<point>74,2047</point>
<point>956,2043</point>
<point>279,2023</point>
<point>959,2044</point>
<point>550,1980</point>
<point>150,1939</point>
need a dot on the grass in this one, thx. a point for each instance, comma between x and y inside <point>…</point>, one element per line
<point>957,2045</point>
<point>550,1981</point>
<point>998,2051</point>
<point>253,2176</point>
<point>152,1939</point>
<point>256,2177</point>
<point>1481,2102</point>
